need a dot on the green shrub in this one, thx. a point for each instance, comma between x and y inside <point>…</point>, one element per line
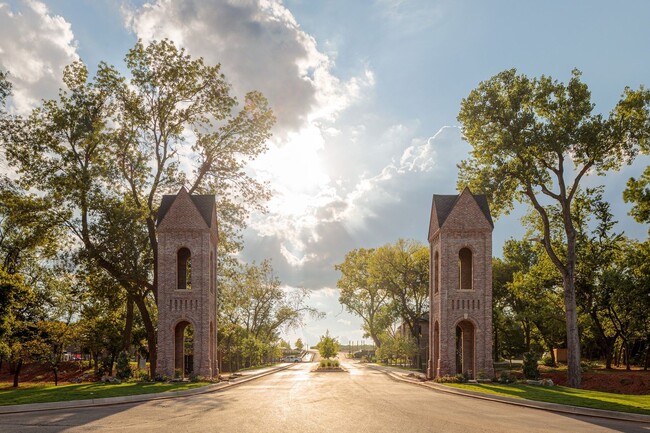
<point>123,366</point>
<point>531,370</point>
<point>548,361</point>
<point>587,365</point>
<point>447,379</point>
<point>506,377</point>
<point>329,363</point>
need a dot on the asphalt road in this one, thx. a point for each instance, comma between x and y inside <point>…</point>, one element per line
<point>300,401</point>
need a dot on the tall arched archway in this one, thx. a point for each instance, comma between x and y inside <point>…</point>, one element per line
<point>465,344</point>
<point>184,269</point>
<point>183,349</point>
<point>436,272</point>
<point>436,348</point>
<point>465,269</point>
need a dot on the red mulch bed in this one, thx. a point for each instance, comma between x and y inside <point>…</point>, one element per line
<point>619,381</point>
<point>40,373</point>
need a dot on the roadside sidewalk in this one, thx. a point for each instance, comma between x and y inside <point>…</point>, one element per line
<point>418,378</point>
<point>92,402</point>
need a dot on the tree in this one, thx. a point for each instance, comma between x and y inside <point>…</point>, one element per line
<point>402,269</point>
<point>299,344</point>
<point>535,140</point>
<point>51,340</point>
<point>5,87</point>
<point>638,192</point>
<point>107,149</point>
<point>328,346</point>
<point>363,297</point>
<point>253,309</point>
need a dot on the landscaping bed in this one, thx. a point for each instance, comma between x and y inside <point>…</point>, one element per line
<point>634,382</point>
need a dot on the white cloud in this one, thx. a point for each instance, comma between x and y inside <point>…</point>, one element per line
<point>35,46</point>
<point>260,46</point>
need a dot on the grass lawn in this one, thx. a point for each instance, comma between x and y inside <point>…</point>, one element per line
<point>38,393</point>
<point>563,395</point>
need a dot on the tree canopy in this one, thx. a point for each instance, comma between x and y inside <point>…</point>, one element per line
<point>534,140</point>
<point>109,147</point>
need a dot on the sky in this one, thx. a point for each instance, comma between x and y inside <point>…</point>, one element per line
<point>366,94</point>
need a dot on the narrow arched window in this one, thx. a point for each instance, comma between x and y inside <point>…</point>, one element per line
<point>465,269</point>
<point>184,269</point>
<point>436,272</point>
<point>211,273</point>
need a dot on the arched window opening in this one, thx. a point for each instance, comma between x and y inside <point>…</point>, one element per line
<point>465,269</point>
<point>436,272</point>
<point>211,273</point>
<point>184,269</point>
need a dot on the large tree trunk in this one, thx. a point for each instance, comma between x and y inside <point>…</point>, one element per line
<point>572,335</point>
<point>17,372</point>
<point>151,333</point>
<point>128,326</point>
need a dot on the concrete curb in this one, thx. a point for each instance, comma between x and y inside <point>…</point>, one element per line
<point>552,407</point>
<point>110,401</point>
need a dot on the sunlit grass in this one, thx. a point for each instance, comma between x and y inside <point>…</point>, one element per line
<point>38,393</point>
<point>568,396</point>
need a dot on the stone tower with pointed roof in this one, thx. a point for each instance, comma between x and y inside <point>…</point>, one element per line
<point>460,286</point>
<point>187,256</point>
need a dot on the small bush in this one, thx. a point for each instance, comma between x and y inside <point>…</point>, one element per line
<point>161,378</point>
<point>462,378</point>
<point>588,365</point>
<point>123,366</point>
<point>531,370</point>
<point>548,361</point>
<point>447,379</point>
<point>329,363</point>
<point>506,377</point>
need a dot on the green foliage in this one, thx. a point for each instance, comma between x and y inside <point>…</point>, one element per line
<point>361,295</point>
<point>548,361</point>
<point>5,87</point>
<point>328,346</point>
<point>253,309</point>
<point>506,377</point>
<point>638,193</point>
<point>299,344</point>
<point>397,348</point>
<point>123,366</point>
<point>530,368</point>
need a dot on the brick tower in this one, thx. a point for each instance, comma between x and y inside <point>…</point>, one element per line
<point>460,286</point>
<point>187,256</point>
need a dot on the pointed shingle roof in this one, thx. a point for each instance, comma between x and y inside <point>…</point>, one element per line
<point>444,204</point>
<point>204,204</point>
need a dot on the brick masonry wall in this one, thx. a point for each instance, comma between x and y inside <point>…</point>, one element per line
<point>465,227</point>
<point>183,226</point>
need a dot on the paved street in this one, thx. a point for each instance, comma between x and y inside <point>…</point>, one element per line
<point>299,401</point>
